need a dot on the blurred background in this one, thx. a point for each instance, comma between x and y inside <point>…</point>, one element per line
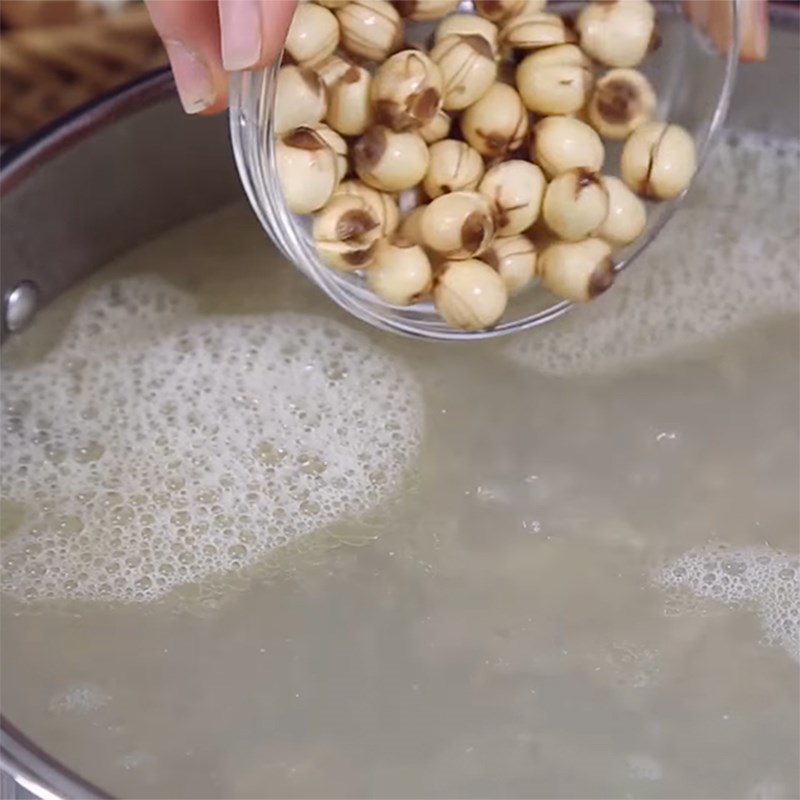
<point>56,55</point>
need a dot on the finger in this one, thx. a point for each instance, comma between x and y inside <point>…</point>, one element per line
<point>715,19</point>
<point>253,31</point>
<point>190,31</point>
<point>720,25</point>
<point>698,12</point>
<point>753,27</point>
<point>755,30</point>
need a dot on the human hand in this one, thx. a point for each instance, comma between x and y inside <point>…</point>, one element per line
<point>208,39</point>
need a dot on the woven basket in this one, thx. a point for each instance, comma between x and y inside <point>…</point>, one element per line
<point>57,54</point>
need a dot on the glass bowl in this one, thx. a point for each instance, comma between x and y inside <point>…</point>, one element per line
<point>693,81</point>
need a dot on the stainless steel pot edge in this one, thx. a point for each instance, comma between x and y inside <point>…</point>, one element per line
<point>19,163</point>
<point>20,160</point>
<point>27,771</point>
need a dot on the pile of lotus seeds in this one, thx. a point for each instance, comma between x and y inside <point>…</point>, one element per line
<point>490,142</point>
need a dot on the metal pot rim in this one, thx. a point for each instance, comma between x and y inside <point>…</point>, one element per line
<point>22,159</point>
<point>20,757</point>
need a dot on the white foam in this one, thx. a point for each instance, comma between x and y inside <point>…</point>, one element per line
<point>728,257</point>
<point>768,790</point>
<point>155,447</point>
<point>81,698</point>
<point>643,767</point>
<point>764,580</point>
<point>136,760</point>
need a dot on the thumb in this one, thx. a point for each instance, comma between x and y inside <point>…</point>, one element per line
<point>253,31</point>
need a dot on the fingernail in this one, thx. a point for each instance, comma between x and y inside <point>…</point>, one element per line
<point>192,77</point>
<point>240,22</point>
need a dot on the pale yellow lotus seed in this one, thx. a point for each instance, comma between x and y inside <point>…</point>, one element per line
<point>563,143</point>
<point>300,98</point>
<point>466,25</point>
<point>425,10</point>
<point>400,272</point>
<point>514,260</point>
<point>382,205</point>
<point>468,69</point>
<point>371,29</point>
<point>308,168</point>
<point>349,106</point>
<point>332,68</point>
<point>337,144</point>
<point>555,80</point>
<point>346,232</point>
<point>622,100</point>
<point>659,160</point>
<point>453,166</point>
<point>390,161</point>
<point>497,123</point>
<point>575,204</point>
<point>577,271</point>
<point>617,33</point>
<point>470,295</point>
<point>406,91</point>
<point>458,225</point>
<point>626,217</point>
<point>313,34</point>
<point>438,128</point>
<point>411,226</point>
<point>536,30</point>
<point>515,189</point>
<point>500,10</point>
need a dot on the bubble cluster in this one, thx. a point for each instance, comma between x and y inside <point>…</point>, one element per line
<point>154,447</point>
<point>758,578</point>
<point>81,698</point>
<point>729,256</point>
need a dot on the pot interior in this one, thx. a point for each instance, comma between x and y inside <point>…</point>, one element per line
<point>252,548</point>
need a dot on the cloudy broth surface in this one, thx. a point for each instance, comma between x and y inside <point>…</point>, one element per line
<point>252,548</point>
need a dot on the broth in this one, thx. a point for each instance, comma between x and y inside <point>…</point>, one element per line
<point>560,565</point>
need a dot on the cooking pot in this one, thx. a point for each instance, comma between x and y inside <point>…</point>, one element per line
<point>126,168</point>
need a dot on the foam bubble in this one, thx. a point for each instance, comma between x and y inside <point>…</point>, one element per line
<point>764,580</point>
<point>729,256</point>
<point>136,760</point>
<point>768,790</point>
<point>643,767</point>
<point>81,698</point>
<point>154,447</point>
